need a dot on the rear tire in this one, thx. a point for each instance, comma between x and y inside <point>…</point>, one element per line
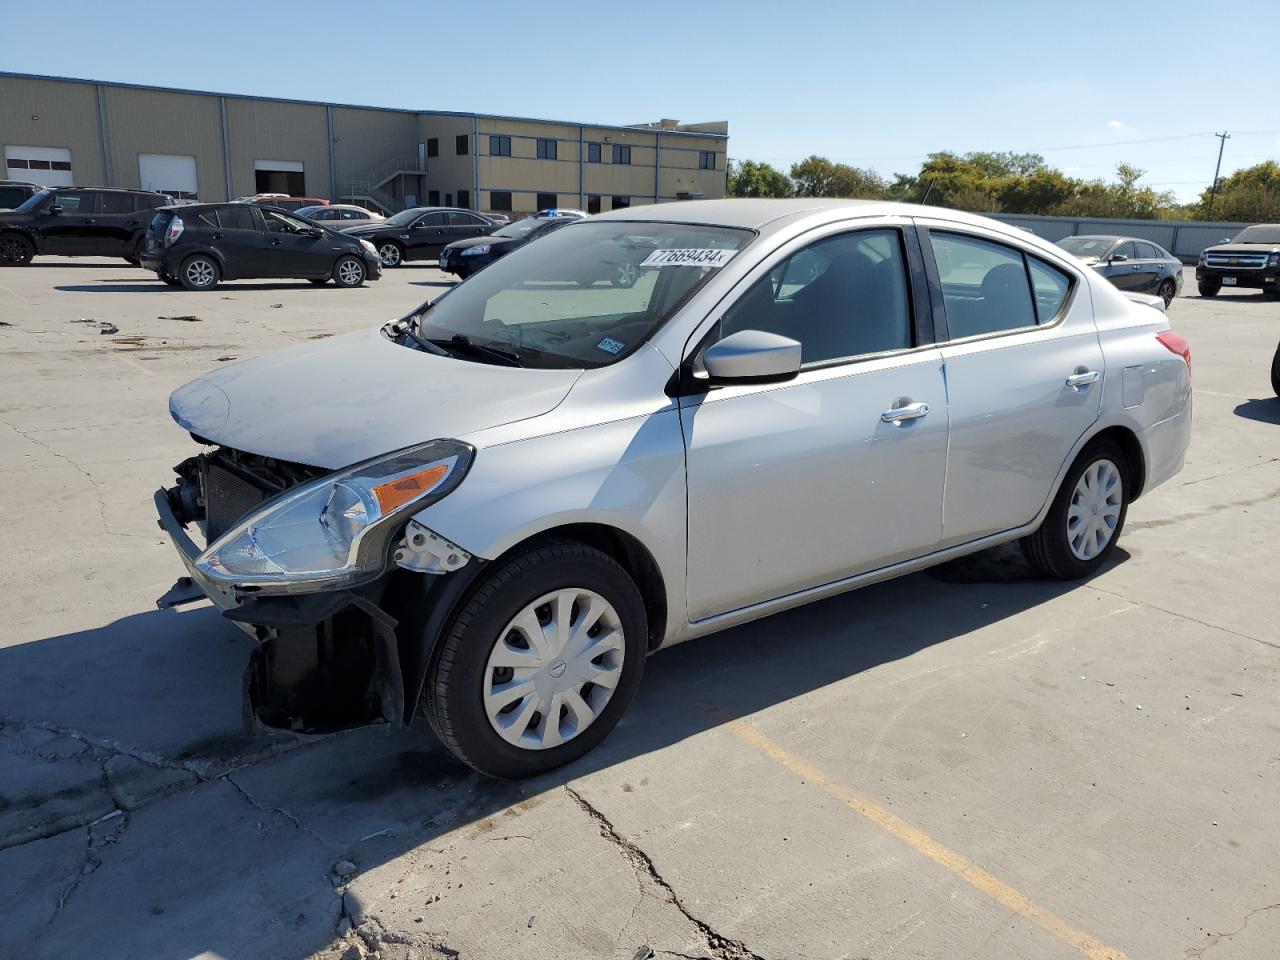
<point>390,253</point>
<point>136,256</point>
<point>349,272</point>
<point>486,629</point>
<point>1087,515</point>
<point>1209,288</point>
<point>199,272</point>
<point>1275,372</point>
<point>15,250</point>
<point>1167,291</point>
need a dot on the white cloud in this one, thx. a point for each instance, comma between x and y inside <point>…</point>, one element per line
<point>1114,124</point>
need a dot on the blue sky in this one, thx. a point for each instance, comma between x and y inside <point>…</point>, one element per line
<point>870,83</point>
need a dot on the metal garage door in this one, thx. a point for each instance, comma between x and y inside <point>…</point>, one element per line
<point>167,173</point>
<point>50,166</point>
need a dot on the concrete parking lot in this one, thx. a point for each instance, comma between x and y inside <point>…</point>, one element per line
<point>967,763</point>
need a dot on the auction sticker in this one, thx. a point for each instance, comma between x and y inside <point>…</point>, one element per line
<point>688,257</point>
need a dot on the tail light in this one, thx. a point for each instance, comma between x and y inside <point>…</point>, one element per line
<point>176,226</point>
<point>1176,344</point>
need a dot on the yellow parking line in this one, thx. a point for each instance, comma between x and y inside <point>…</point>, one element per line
<point>961,866</point>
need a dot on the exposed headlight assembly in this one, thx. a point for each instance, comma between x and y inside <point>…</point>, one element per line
<point>369,247</point>
<point>334,531</point>
<point>473,251</point>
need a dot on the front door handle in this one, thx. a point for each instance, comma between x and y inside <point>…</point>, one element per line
<point>1083,379</point>
<point>276,243</point>
<point>911,411</point>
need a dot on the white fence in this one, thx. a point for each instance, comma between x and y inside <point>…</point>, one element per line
<point>1185,239</point>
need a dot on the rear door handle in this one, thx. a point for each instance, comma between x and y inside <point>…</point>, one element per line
<point>1077,380</point>
<point>276,243</point>
<point>911,411</point>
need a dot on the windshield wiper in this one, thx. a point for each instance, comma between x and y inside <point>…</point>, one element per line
<point>460,341</point>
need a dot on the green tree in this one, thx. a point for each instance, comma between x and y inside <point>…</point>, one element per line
<point>1251,195</point>
<point>819,177</point>
<point>748,178</point>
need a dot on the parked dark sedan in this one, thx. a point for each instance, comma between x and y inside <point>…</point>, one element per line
<point>78,222</point>
<point>1252,259</point>
<point>420,233</point>
<point>197,246</point>
<point>1131,263</point>
<point>462,258</point>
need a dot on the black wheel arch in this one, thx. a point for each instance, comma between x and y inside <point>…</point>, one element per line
<point>1128,442</point>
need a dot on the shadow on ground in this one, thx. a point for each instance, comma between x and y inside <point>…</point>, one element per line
<point>234,859</point>
<point>1266,410</point>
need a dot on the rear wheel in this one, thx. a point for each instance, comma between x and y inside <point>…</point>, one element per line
<point>348,272</point>
<point>1209,288</point>
<point>1084,523</point>
<point>540,663</point>
<point>135,256</point>
<point>390,253</point>
<point>1275,372</point>
<point>15,250</point>
<point>1167,291</point>
<point>199,272</point>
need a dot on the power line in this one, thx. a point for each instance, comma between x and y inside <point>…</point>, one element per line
<point>1123,143</point>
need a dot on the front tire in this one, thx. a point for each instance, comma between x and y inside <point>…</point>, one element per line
<point>390,253</point>
<point>199,272</point>
<point>1087,516</point>
<point>540,662</point>
<point>1209,288</point>
<point>15,250</point>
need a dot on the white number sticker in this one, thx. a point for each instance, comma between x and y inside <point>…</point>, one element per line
<point>688,257</point>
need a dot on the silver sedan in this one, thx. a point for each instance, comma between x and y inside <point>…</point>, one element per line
<point>491,511</point>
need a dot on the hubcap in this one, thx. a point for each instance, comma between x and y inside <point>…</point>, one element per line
<point>390,254</point>
<point>553,669</point>
<point>1095,509</point>
<point>200,273</point>
<point>350,272</point>
<point>11,251</point>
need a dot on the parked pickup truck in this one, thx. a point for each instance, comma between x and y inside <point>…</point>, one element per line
<point>1252,260</point>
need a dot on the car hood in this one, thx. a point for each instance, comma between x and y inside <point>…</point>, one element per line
<point>473,241</point>
<point>368,230</point>
<point>331,403</point>
<point>1254,248</point>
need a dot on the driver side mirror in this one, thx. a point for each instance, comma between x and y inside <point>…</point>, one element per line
<point>1117,258</point>
<point>313,232</point>
<point>751,356</point>
<point>55,209</point>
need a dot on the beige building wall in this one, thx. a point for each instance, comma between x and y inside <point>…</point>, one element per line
<point>449,171</point>
<point>53,113</point>
<point>275,130</point>
<point>154,121</point>
<point>369,142</point>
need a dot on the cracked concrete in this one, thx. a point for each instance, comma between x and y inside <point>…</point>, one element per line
<point>1105,749</point>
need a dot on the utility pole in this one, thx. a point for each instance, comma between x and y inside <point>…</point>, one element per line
<point>1223,137</point>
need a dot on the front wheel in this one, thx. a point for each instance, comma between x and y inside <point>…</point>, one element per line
<point>348,272</point>
<point>1208,288</point>
<point>1084,523</point>
<point>390,254</point>
<point>540,663</point>
<point>15,250</point>
<point>199,273</point>
<point>1167,291</point>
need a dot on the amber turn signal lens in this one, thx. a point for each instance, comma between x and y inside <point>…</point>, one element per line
<point>396,493</point>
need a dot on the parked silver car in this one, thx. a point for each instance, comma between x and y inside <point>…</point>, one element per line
<point>340,216</point>
<point>492,510</point>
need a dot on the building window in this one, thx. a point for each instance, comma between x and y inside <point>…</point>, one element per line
<point>706,159</point>
<point>433,198</point>
<point>461,144</point>
<point>547,201</point>
<point>593,202</point>
<point>464,199</point>
<point>593,153</point>
<point>621,153</point>
<point>621,203</point>
<point>499,146</point>
<point>546,149</point>
<point>500,200</point>
<point>448,199</point>
<point>433,147</point>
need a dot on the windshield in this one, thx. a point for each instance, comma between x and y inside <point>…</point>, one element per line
<point>585,297</point>
<point>403,218</point>
<point>1087,246</point>
<point>521,228</point>
<point>1262,233</point>
<point>33,201</point>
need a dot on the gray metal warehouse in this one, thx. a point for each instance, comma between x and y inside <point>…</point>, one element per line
<point>61,131</point>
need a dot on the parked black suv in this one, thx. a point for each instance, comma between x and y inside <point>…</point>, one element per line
<point>78,222</point>
<point>197,246</point>
<point>1252,259</point>
<point>14,193</point>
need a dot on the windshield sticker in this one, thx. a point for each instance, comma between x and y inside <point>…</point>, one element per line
<point>610,345</point>
<point>688,257</point>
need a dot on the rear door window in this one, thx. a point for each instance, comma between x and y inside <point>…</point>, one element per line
<point>984,285</point>
<point>116,203</point>
<point>236,216</point>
